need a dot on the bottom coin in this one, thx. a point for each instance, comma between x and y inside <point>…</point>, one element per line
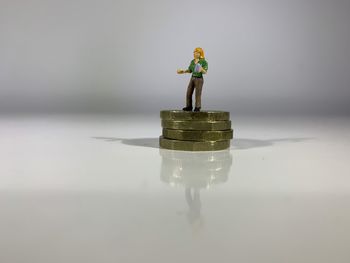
<point>193,145</point>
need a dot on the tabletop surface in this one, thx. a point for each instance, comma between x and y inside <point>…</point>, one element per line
<point>99,189</point>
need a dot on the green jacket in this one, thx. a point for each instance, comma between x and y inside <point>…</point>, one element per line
<point>202,62</point>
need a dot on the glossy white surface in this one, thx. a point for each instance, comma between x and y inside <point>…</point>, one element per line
<point>98,189</point>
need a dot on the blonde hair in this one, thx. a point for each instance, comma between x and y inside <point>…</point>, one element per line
<point>200,51</point>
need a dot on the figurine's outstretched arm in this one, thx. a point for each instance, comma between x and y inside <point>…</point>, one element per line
<point>182,71</point>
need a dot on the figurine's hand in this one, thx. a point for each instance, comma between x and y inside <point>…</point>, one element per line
<point>180,71</point>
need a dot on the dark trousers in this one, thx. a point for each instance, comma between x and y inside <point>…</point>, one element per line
<point>195,83</point>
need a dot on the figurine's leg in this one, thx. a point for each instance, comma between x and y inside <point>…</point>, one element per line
<point>189,93</point>
<point>198,93</point>
<point>188,196</point>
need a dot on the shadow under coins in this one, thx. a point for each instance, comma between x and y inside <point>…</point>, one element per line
<point>238,144</point>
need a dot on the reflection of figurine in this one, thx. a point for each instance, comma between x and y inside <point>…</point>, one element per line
<point>197,67</point>
<point>194,172</point>
<point>193,200</point>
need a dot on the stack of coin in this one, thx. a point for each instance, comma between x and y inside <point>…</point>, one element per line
<point>195,131</point>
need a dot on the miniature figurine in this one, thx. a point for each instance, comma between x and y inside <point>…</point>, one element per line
<point>197,67</point>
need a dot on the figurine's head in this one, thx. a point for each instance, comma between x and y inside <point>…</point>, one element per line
<point>198,53</point>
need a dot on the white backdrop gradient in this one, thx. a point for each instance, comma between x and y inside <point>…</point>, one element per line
<point>271,56</point>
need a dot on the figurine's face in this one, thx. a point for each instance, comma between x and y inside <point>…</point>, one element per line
<point>196,54</point>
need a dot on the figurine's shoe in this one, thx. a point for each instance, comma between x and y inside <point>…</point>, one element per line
<point>197,108</point>
<point>187,108</point>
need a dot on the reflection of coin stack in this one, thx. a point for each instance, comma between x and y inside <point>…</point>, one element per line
<point>195,131</point>
<point>196,170</point>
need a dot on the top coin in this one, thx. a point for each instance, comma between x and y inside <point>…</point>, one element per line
<point>180,115</point>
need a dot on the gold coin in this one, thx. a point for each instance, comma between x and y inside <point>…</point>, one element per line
<point>193,145</point>
<point>197,125</point>
<point>188,135</point>
<point>180,115</point>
